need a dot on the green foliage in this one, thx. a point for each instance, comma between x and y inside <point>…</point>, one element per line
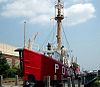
<point>4,66</point>
<point>12,72</point>
<point>19,72</point>
<point>97,82</point>
<point>5,69</point>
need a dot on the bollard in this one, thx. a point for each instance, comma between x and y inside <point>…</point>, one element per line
<point>73,84</point>
<point>16,80</point>
<point>1,80</point>
<point>69,81</point>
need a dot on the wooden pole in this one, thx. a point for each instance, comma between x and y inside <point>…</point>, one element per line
<point>16,80</point>
<point>73,84</point>
<point>47,81</point>
<point>1,80</point>
<point>54,82</point>
<point>63,81</point>
<point>69,81</point>
<point>79,83</point>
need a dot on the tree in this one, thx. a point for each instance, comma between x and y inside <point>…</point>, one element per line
<point>12,72</point>
<point>4,66</point>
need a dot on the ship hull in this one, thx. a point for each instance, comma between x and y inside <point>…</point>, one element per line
<point>40,66</point>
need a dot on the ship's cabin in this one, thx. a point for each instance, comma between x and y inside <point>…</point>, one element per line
<point>59,55</point>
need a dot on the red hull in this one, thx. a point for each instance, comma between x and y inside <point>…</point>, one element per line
<point>40,66</point>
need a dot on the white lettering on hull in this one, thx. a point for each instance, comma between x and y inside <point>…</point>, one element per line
<point>63,69</point>
<point>56,67</point>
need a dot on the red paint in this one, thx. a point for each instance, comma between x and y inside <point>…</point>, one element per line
<point>41,66</point>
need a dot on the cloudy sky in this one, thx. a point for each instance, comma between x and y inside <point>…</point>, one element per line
<point>81,25</point>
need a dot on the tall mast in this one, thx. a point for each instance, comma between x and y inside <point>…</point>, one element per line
<point>24,34</point>
<point>59,17</point>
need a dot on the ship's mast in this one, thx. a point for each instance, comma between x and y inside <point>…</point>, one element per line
<point>24,34</point>
<point>59,17</point>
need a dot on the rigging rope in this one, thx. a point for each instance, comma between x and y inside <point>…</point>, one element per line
<point>49,35</point>
<point>65,37</point>
<point>54,33</point>
<point>66,41</point>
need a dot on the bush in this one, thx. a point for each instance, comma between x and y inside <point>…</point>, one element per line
<point>11,72</point>
<point>19,72</point>
<point>5,69</point>
<point>4,66</point>
<point>97,83</point>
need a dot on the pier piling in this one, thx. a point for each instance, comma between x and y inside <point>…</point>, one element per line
<point>69,81</point>
<point>16,80</point>
<point>1,80</point>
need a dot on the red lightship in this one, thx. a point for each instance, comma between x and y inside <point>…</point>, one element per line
<point>36,67</point>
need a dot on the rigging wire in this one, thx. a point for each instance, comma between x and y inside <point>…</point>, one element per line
<point>47,39</point>
<point>65,37</point>
<point>51,3</point>
<point>54,33</point>
<point>70,51</point>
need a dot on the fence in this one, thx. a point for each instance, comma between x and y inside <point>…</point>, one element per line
<point>68,82</point>
<point>11,82</point>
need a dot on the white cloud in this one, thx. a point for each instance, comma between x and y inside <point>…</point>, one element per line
<point>26,8</point>
<point>1,1</point>
<point>81,1</point>
<point>41,19</point>
<point>79,13</point>
<point>68,3</point>
<point>32,9</point>
<point>41,11</point>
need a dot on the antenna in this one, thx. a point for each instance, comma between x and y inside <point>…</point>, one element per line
<point>24,34</point>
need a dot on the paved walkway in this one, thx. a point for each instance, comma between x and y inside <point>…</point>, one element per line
<point>22,86</point>
<point>11,86</point>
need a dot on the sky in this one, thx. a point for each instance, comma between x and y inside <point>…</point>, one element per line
<point>81,26</point>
